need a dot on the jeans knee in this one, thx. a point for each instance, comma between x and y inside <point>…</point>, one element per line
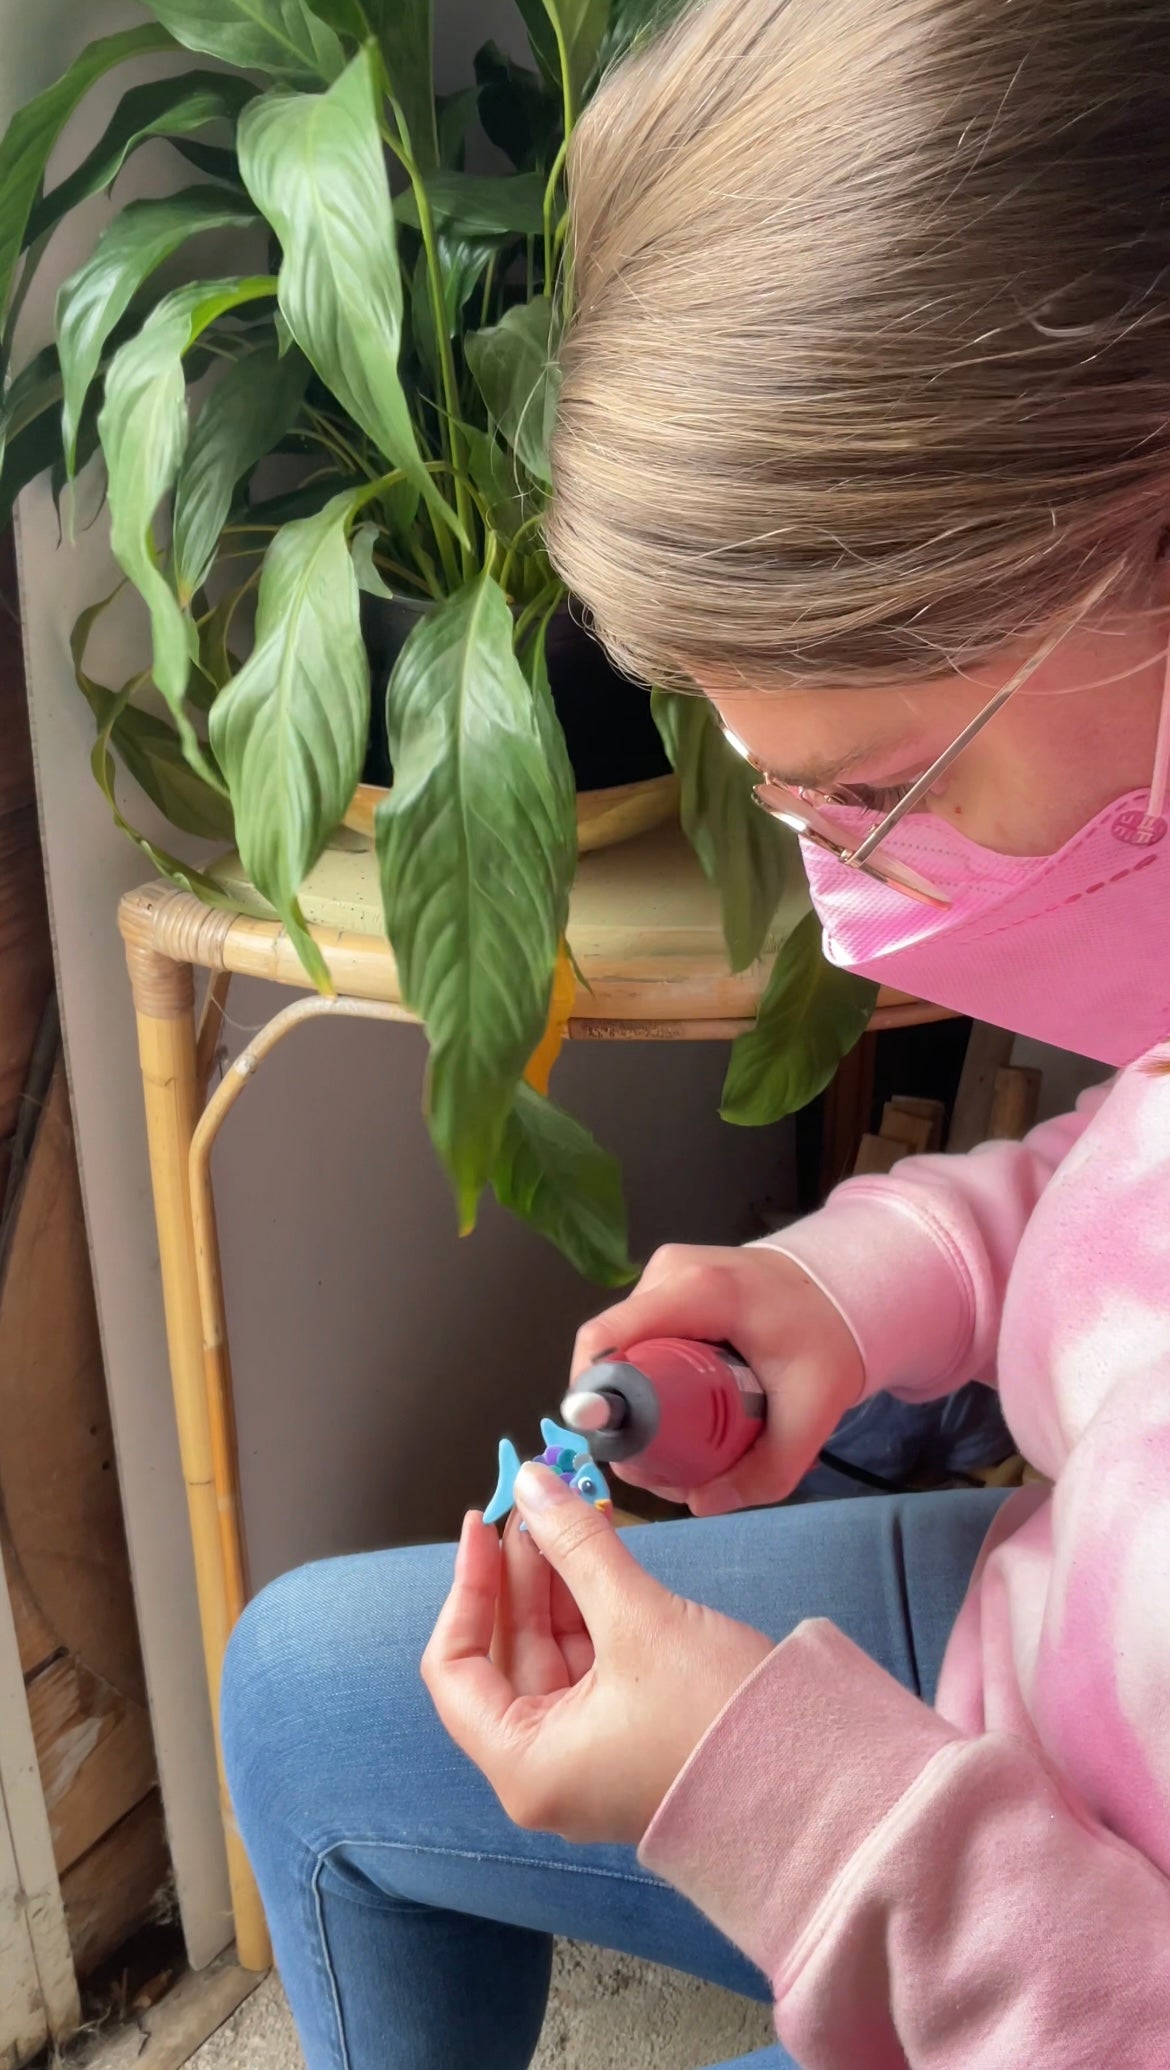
<point>264,1692</point>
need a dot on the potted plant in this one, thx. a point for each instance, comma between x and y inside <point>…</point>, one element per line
<point>361,479</point>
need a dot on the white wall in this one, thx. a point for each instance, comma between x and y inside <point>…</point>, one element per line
<point>376,1358</point>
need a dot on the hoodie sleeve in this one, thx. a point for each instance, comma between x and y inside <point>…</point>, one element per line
<point>918,1897</point>
<point>918,1262</point>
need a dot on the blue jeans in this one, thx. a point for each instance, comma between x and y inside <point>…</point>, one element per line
<point>412,1922</point>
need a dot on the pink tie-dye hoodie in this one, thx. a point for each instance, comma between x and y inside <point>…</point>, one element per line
<point>985,1885</point>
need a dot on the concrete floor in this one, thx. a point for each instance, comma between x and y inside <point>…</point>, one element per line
<point>605,2013</point>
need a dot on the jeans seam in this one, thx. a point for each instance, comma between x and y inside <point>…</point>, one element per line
<point>343,2055</point>
<point>323,1850</point>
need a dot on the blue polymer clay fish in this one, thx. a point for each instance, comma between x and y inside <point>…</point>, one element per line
<point>567,1454</point>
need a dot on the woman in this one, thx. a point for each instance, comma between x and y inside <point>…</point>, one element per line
<point>864,434</point>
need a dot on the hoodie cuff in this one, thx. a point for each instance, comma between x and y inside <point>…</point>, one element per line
<point>898,1283</point>
<point>808,1758</point>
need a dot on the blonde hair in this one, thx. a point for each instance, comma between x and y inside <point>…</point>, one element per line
<point>867,369</point>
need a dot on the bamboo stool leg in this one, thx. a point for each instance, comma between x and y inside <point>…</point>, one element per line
<point>164,1004</point>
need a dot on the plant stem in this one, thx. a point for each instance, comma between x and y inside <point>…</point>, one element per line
<point>449,426</point>
<point>392,567</point>
<point>546,602</point>
<point>488,283</point>
<point>566,76</point>
<point>336,443</point>
<point>550,195</point>
<point>517,536</point>
<point>233,607</point>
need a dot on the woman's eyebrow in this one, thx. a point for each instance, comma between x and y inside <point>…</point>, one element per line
<point>821,776</point>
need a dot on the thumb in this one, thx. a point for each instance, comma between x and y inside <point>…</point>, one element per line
<point>580,1544</point>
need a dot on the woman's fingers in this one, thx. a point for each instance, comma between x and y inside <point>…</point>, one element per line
<point>525,1645</point>
<point>581,1545</point>
<point>672,1299</point>
<point>471,1695</point>
<point>569,1627</point>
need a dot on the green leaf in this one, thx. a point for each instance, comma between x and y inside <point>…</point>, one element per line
<point>290,731</point>
<point>749,857</point>
<point>348,17</point>
<point>252,404</point>
<point>33,131</point>
<point>152,754</point>
<point>518,380</point>
<point>102,763</point>
<point>475,849</point>
<point>473,206</point>
<point>212,160</point>
<point>518,112</point>
<point>462,265</point>
<point>160,108</point>
<point>455,112</point>
<point>32,392</point>
<point>217,663</point>
<point>542,38</point>
<point>551,1173</point>
<point>361,547</point>
<point>143,426</point>
<point>582,25</point>
<point>314,165</point>
<point>552,739</point>
<point>303,502</point>
<point>634,22</point>
<point>283,37</point>
<point>403,28</point>
<point>810,1016</point>
<point>27,453</point>
<point>493,471</point>
<point>93,299</point>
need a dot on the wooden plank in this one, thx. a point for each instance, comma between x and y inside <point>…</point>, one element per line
<point>36,1640</point>
<point>847,1104</point>
<point>1015,1103</point>
<point>58,1486</point>
<point>933,1111</point>
<point>95,1752</point>
<point>987,1051</point>
<point>117,1885</point>
<point>38,1989</point>
<point>24,2026</point>
<point>916,1131</point>
<point>877,1154</point>
<point>190,2014</point>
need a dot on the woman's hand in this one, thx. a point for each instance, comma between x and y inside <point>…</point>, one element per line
<point>579,1685</point>
<point>792,1336</point>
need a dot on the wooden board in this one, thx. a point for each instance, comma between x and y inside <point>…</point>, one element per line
<point>59,1501</point>
<point>65,1555</point>
<point>123,1878</point>
<point>95,1753</point>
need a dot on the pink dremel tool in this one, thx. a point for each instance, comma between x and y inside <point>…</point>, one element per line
<point>685,1411</point>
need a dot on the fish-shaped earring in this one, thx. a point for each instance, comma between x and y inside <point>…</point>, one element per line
<point>569,1457</point>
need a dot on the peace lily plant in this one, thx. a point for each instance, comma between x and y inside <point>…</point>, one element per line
<point>390,325</point>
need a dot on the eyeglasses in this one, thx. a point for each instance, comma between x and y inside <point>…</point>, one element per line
<point>804,810</point>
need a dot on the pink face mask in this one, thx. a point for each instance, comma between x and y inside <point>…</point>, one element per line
<point>1070,948</point>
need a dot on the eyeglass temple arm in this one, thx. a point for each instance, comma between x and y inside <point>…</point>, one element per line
<point>930,777</point>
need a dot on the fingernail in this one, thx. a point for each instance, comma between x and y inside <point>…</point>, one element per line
<point>538,1487</point>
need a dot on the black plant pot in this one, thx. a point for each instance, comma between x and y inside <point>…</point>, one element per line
<point>609,731</point>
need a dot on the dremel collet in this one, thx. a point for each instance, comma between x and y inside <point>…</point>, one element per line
<point>686,1411</point>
